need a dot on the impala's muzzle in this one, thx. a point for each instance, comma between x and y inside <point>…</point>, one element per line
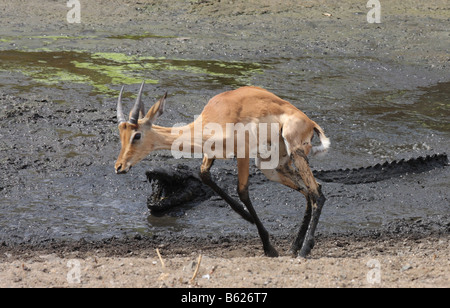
<point>121,169</point>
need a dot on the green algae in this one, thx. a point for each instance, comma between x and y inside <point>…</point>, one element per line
<point>105,70</point>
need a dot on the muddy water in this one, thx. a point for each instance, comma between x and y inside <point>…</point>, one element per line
<point>372,110</point>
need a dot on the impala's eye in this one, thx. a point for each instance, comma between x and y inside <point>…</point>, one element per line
<point>137,137</point>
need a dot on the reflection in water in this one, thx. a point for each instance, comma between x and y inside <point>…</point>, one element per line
<point>426,107</point>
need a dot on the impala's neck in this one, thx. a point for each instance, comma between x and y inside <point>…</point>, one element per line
<point>181,138</point>
<point>163,137</point>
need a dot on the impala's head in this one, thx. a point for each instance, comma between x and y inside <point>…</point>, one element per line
<point>136,135</point>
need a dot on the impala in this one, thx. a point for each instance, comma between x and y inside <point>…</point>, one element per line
<point>139,136</point>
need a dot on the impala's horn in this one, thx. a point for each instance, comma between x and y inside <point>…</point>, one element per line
<point>120,115</point>
<point>138,109</point>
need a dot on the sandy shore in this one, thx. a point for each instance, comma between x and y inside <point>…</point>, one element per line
<point>387,261</point>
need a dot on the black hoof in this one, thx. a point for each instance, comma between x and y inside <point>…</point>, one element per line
<point>306,249</point>
<point>271,252</point>
<point>294,249</point>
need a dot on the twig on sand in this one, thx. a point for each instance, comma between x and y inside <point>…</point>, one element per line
<point>160,259</point>
<point>196,269</point>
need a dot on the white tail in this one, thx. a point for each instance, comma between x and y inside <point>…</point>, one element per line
<point>324,142</point>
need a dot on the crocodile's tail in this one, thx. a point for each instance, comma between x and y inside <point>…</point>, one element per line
<point>324,141</point>
<point>385,171</point>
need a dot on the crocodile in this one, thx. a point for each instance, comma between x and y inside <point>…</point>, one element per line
<point>175,186</point>
<point>180,184</point>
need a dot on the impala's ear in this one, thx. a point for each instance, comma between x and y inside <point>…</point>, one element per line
<point>156,110</point>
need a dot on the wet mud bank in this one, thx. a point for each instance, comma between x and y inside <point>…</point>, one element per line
<point>63,196</point>
<point>389,240</point>
<point>381,92</point>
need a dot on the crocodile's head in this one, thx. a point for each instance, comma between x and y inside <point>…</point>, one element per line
<point>172,187</point>
<point>165,184</point>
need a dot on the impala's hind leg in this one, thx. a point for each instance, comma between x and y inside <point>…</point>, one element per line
<point>298,242</point>
<point>287,175</point>
<point>299,145</point>
<point>243,169</point>
<point>314,197</point>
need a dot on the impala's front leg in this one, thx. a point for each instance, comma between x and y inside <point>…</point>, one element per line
<point>205,175</point>
<point>243,174</point>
